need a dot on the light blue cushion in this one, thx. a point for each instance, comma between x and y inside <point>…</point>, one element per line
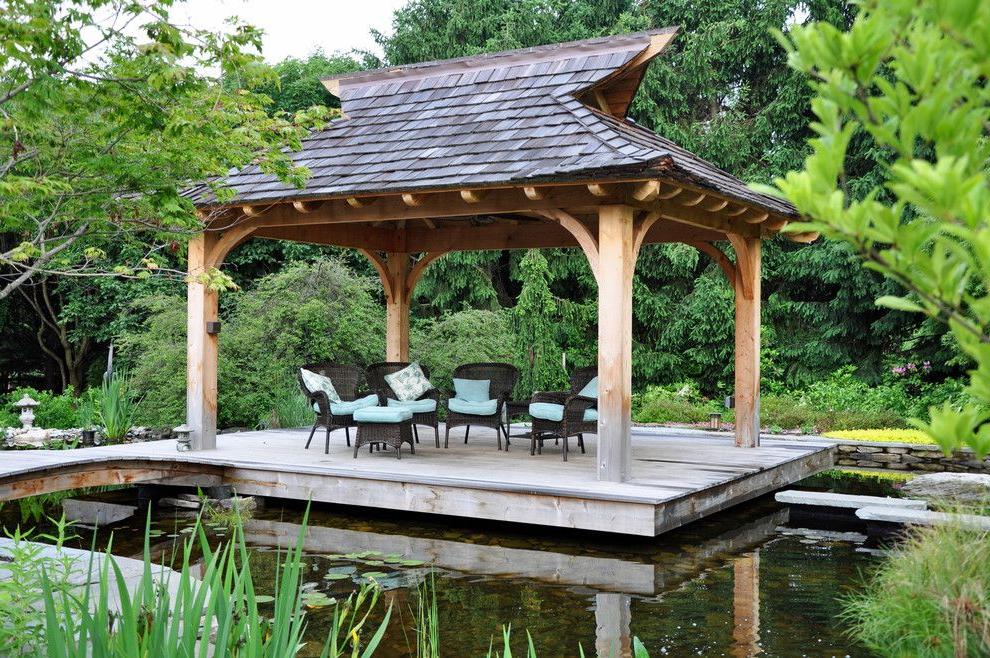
<point>555,412</point>
<point>348,408</point>
<point>473,407</point>
<point>590,389</point>
<point>415,406</point>
<point>382,415</point>
<point>473,390</point>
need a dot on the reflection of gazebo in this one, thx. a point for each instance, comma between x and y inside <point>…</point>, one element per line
<point>521,149</point>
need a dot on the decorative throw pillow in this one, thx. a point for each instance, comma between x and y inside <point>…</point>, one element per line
<point>590,389</point>
<point>314,381</point>
<point>473,390</point>
<point>408,383</point>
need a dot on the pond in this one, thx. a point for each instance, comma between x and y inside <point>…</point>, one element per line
<point>741,583</point>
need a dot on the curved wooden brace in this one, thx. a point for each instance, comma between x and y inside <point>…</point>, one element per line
<point>719,257</point>
<point>744,262</point>
<point>804,238</point>
<point>228,240</point>
<point>757,217</point>
<point>473,196</point>
<point>417,270</point>
<point>716,205</point>
<point>534,193</point>
<point>695,200</point>
<point>671,193</point>
<point>640,229</point>
<point>583,235</point>
<point>599,189</point>
<point>382,267</point>
<point>306,206</point>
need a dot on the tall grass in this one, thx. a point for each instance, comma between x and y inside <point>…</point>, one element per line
<point>216,615</point>
<point>117,406</point>
<point>929,598</point>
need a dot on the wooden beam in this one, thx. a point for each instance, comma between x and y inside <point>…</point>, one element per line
<point>397,308</point>
<point>306,207</point>
<point>719,258</point>
<point>429,222</point>
<point>534,193</point>
<point>693,199</point>
<point>642,228</point>
<point>419,268</point>
<point>253,211</point>
<point>715,205</point>
<point>600,190</point>
<point>413,200</point>
<point>601,101</point>
<point>670,192</point>
<point>616,266</point>
<point>735,211</point>
<point>581,233</point>
<point>755,217</point>
<point>473,196</point>
<point>804,238</point>
<point>747,375</point>
<point>359,202</point>
<point>201,346</point>
<point>340,235</point>
<point>381,266</point>
<point>647,191</point>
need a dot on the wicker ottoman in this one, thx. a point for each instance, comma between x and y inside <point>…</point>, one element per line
<point>389,425</point>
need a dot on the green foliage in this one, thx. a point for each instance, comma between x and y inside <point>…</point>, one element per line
<point>930,598</point>
<point>536,319</point>
<point>677,403</point>
<point>298,86</point>
<point>54,411</point>
<point>118,404</point>
<point>308,312</point>
<point>141,106</point>
<point>292,409</point>
<point>160,621</point>
<point>444,343</point>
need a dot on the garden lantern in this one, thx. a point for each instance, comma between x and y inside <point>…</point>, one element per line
<point>715,421</point>
<point>26,406</point>
<point>182,440</point>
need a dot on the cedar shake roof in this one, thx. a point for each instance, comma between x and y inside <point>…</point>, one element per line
<point>518,117</point>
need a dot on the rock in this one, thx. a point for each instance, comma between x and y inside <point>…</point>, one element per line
<point>965,488</point>
<point>178,502</point>
<point>241,504</point>
<point>33,438</point>
<point>885,457</point>
<point>95,512</point>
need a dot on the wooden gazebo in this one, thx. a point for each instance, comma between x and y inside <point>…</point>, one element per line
<point>514,150</point>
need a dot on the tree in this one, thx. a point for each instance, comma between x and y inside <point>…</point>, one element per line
<point>109,111</point>
<point>910,77</point>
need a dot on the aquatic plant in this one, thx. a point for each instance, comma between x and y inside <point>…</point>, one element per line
<point>884,434</point>
<point>218,614</point>
<point>930,598</point>
<point>118,405</point>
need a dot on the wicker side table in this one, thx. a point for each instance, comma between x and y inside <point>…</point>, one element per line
<point>389,425</point>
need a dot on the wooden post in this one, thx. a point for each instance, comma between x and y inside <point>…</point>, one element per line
<point>616,262</point>
<point>201,348</point>
<point>746,605</point>
<point>397,307</point>
<point>747,384</point>
<point>612,616</point>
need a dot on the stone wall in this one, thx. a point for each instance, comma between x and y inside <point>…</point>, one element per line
<point>907,457</point>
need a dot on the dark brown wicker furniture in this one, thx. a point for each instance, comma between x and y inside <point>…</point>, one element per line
<point>376,379</point>
<point>393,434</point>
<point>573,422</point>
<point>503,378</point>
<point>346,379</point>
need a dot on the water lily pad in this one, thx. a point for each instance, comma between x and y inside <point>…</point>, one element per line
<point>375,574</point>
<point>317,600</point>
<point>337,576</point>
<point>263,598</point>
<point>412,563</point>
<point>154,532</point>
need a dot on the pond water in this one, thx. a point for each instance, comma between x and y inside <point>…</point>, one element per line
<point>741,583</point>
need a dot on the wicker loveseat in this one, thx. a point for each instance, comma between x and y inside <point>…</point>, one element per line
<point>559,415</point>
<point>424,408</point>
<point>347,379</point>
<point>502,378</point>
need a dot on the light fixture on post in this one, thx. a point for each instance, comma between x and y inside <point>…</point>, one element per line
<point>183,441</point>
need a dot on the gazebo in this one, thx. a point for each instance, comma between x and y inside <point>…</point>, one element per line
<point>521,149</point>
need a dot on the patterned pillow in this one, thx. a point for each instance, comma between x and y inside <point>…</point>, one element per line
<point>408,383</point>
<point>314,381</point>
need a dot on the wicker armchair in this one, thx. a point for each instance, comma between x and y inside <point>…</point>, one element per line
<point>573,422</point>
<point>376,379</point>
<point>346,380</point>
<point>503,378</point>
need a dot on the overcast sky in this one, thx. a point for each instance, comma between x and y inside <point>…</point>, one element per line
<point>298,27</point>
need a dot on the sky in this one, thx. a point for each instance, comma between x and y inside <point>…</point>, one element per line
<point>296,28</point>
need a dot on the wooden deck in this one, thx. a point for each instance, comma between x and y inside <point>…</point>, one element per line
<point>678,476</point>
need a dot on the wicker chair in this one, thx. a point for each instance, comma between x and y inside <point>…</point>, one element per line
<point>346,379</point>
<point>503,378</point>
<point>573,422</point>
<point>376,379</point>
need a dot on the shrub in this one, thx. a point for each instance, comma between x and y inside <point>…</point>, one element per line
<point>54,411</point>
<point>307,312</point>
<point>929,597</point>
<point>117,406</point>
<point>461,337</point>
<point>678,403</point>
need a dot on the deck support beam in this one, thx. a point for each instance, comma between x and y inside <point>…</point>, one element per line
<point>397,307</point>
<point>747,376</point>
<point>617,261</point>
<point>201,346</point>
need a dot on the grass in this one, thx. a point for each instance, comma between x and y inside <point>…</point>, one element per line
<point>930,598</point>
<point>886,434</point>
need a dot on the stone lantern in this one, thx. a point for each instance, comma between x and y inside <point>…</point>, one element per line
<point>26,406</point>
<point>183,442</point>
